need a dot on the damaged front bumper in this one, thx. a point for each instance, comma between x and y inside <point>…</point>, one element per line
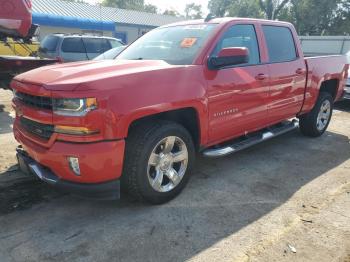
<point>103,191</point>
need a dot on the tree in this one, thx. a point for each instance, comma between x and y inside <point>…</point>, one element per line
<point>245,8</point>
<point>272,8</point>
<point>125,4</point>
<point>310,17</point>
<point>171,12</point>
<point>219,8</point>
<point>315,17</point>
<point>341,23</point>
<point>150,8</point>
<point>193,11</point>
<point>239,8</point>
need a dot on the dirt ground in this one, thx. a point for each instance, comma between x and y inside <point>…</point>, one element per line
<point>285,200</point>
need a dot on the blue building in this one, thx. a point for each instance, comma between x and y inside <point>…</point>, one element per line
<point>58,16</point>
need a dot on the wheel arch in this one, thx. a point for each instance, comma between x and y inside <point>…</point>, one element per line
<point>189,117</point>
<point>330,86</point>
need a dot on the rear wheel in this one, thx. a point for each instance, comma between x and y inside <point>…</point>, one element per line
<point>315,123</point>
<point>158,161</point>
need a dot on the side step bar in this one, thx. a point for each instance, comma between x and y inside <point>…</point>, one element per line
<point>250,140</point>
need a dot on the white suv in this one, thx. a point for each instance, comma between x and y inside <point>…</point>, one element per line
<point>69,48</point>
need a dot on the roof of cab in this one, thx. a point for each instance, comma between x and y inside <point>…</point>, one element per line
<point>224,20</point>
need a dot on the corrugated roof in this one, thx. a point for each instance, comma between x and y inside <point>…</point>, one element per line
<point>84,10</point>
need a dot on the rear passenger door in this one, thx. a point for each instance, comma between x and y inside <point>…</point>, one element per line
<point>287,71</point>
<point>72,49</point>
<point>96,46</point>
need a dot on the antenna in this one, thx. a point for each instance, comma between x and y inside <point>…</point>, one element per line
<point>209,17</point>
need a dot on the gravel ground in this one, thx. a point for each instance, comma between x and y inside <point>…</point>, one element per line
<point>285,200</point>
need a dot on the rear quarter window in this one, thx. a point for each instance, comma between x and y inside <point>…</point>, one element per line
<point>280,44</point>
<point>73,45</point>
<point>115,43</point>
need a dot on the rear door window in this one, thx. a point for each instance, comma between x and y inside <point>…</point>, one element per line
<point>73,45</point>
<point>280,44</point>
<point>73,50</point>
<point>96,45</point>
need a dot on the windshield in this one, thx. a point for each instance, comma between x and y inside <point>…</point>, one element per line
<point>177,45</point>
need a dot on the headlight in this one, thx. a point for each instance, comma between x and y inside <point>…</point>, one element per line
<point>73,106</point>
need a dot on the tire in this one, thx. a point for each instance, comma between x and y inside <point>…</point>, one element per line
<point>153,180</point>
<point>313,124</point>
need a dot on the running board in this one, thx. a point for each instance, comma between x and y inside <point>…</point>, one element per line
<point>251,140</point>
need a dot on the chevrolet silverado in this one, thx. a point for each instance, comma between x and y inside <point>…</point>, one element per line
<point>136,123</point>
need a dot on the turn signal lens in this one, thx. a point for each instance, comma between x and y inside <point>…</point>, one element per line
<point>73,130</point>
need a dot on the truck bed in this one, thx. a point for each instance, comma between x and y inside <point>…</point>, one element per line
<point>319,69</point>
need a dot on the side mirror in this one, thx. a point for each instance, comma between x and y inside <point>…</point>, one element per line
<point>228,57</point>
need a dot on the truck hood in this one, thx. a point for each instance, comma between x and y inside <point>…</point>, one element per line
<point>69,76</point>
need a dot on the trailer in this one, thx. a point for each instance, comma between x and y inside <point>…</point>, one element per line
<point>16,23</point>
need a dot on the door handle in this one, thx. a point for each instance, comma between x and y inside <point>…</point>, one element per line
<point>261,77</point>
<point>300,71</point>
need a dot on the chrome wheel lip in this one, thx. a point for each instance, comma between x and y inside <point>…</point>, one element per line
<point>323,116</point>
<point>167,164</point>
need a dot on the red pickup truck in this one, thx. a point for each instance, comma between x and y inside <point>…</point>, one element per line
<point>136,123</point>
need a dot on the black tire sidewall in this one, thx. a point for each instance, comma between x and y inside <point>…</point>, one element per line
<point>314,114</point>
<point>145,188</point>
<point>325,96</point>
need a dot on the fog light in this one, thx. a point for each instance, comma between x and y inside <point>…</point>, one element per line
<point>74,165</point>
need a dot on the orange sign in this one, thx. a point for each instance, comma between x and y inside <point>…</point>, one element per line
<point>188,42</point>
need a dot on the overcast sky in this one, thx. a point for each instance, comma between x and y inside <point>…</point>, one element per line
<point>178,5</point>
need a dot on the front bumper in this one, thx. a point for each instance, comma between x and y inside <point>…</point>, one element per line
<point>99,161</point>
<point>104,191</point>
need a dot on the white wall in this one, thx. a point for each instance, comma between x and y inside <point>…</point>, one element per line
<point>325,45</point>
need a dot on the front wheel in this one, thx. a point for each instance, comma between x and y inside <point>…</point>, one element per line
<point>158,160</point>
<point>315,123</point>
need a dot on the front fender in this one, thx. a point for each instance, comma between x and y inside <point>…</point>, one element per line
<point>199,106</point>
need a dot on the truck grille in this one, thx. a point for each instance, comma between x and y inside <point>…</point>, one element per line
<point>43,131</point>
<point>35,101</point>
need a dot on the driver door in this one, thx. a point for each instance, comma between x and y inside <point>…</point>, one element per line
<point>237,95</point>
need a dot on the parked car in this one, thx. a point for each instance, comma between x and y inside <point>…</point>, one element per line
<point>111,54</point>
<point>70,48</point>
<point>347,87</point>
<point>215,87</point>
